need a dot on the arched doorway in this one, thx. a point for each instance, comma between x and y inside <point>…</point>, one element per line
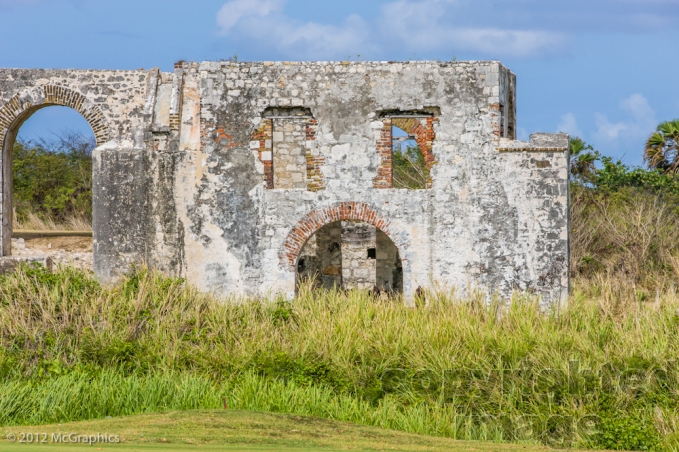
<point>350,254</point>
<point>13,115</point>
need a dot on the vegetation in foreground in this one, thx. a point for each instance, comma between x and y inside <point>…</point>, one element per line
<point>52,183</point>
<point>600,373</point>
<point>242,430</point>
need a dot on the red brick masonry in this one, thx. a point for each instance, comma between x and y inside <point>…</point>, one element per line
<point>424,136</point>
<point>318,218</point>
<point>57,95</point>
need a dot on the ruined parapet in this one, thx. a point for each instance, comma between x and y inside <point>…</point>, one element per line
<point>539,142</point>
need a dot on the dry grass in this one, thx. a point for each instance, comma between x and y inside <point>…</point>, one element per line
<point>628,236</point>
<point>36,223</point>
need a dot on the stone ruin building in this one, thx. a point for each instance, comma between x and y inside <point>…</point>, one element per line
<point>245,178</point>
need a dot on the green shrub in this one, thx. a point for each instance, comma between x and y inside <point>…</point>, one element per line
<point>52,180</point>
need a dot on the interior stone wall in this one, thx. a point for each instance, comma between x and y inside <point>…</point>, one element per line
<point>337,256</point>
<point>389,272</point>
<point>359,270</point>
<point>289,153</point>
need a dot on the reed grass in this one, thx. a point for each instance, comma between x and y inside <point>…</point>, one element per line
<point>600,372</point>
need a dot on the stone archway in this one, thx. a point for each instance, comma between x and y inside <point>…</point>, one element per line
<point>350,254</point>
<point>345,211</point>
<point>13,114</point>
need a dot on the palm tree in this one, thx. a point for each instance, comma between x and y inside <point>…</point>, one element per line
<point>583,157</point>
<point>662,148</point>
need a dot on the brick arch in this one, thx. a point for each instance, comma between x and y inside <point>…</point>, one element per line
<point>316,219</point>
<point>23,105</point>
<point>12,115</point>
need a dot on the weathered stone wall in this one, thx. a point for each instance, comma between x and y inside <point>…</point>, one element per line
<point>191,159</point>
<point>114,103</point>
<point>491,219</point>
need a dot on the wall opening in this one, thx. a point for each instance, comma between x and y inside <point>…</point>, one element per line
<point>350,254</point>
<point>408,167</point>
<point>511,110</point>
<point>47,186</point>
<point>405,148</point>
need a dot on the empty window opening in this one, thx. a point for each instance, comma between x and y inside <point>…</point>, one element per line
<point>50,175</point>
<point>408,164</point>
<point>350,255</point>
<point>404,145</point>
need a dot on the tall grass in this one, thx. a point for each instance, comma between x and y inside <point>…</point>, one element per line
<point>83,396</point>
<point>628,234</point>
<point>72,349</point>
<point>32,221</point>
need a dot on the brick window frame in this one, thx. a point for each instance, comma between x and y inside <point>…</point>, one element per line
<point>421,127</point>
<point>262,142</point>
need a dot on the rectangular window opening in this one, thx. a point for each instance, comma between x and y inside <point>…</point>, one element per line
<point>409,169</point>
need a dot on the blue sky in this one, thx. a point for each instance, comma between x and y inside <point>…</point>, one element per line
<point>606,70</point>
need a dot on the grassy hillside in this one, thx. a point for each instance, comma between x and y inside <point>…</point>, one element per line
<point>599,373</point>
<point>241,430</point>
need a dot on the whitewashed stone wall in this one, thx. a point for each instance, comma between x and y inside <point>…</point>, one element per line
<point>191,155</point>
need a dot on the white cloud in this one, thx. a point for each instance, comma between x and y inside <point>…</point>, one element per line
<point>263,21</point>
<point>234,10</point>
<point>413,26</point>
<point>606,130</point>
<point>642,121</point>
<point>569,125</point>
<point>424,25</point>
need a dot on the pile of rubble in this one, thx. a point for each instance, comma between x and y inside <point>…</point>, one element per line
<point>55,251</point>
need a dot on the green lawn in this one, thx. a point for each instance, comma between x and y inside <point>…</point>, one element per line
<point>242,430</point>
